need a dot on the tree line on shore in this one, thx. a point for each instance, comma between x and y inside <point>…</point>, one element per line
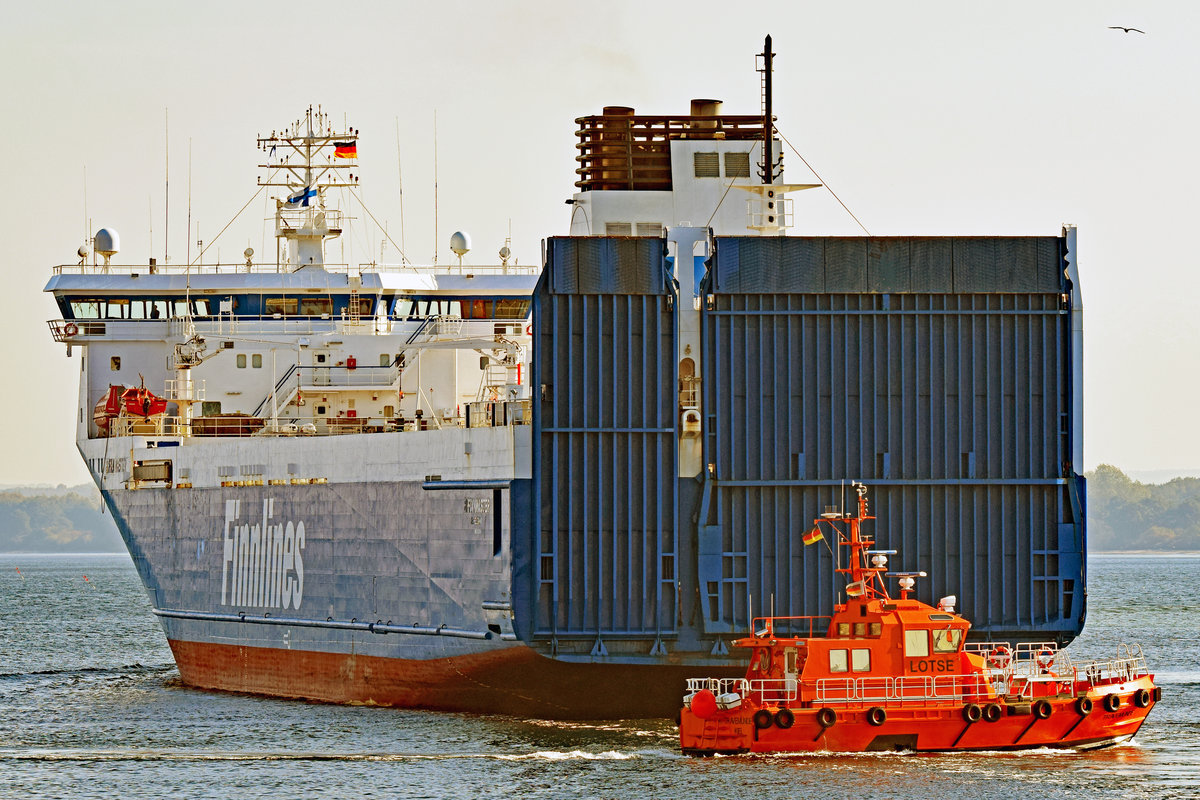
<point>1122,514</point>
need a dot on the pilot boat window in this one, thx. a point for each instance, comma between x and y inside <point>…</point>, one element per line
<point>860,629</point>
<point>876,628</point>
<point>946,641</point>
<point>860,660</point>
<point>843,629</point>
<point>837,661</point>
<point>916,643</point>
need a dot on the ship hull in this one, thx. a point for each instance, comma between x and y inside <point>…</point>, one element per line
<point>515,680</point>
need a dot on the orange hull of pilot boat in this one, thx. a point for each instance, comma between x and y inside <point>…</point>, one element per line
<point>898,674</point>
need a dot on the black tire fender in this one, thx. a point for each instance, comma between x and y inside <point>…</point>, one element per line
<point>784,718</point>
<point>972,712</point>
<point>827,717</point>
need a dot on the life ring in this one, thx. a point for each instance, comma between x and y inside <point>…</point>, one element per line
<point>1141,698</point>
<point>1000,656</point>
<point>826,717</point>
<point>529,330</point>
<point>972,712</point>
<point>784,718</point>
<point>1045,658</point>
<point>1111,702</point>
<point>1083,706</point>
<point>876,716</point>
<point>1042,709</point>
<point>70,329</point>
<point>762,719</point>
<point>992,712</point>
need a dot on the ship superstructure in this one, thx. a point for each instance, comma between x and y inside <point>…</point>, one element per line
<point>480,487</point>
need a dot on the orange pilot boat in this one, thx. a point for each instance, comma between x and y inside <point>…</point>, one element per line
<point>888,673</point>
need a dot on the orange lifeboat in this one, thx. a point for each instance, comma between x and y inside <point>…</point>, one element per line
<point>888,673</point>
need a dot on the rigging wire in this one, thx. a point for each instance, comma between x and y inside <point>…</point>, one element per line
<point>399,249</point>
<point>235,216</point>
<point>823,182</point>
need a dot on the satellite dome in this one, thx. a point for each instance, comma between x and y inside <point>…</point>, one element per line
<point>460,243</point>
<point>107,242</point>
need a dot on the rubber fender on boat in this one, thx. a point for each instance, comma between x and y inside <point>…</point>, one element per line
<point>762,719</point>
<point>993,712</point>
<point>1083,706</point>
<point>784,718</point>
<point>972,712</point>
<point>876,716</point>
<point>1157,693</point>
<point>827,717</point>
<point>704,704</point>
<point>1111,702</point>
<point>1141,698</point>
<point>1042,709</point>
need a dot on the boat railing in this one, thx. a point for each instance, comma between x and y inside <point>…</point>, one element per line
<point>810,627</point>
<point>902,689</point>
<point>719,686</point>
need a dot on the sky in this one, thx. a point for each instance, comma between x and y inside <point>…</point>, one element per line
<point>925,118</point>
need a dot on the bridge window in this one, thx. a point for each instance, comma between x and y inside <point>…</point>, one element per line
<point>916,643</point>
<point>315,306</point>
<point>860,660</point>
<point>946,641</point>
<point>286,306</point>
<point>838,661</point>
<point>512,308</point>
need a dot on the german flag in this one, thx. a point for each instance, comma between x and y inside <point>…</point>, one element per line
<point>812,536</point>
<point>345,149</point>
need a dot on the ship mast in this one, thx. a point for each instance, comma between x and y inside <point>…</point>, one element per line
<point>305,159</point>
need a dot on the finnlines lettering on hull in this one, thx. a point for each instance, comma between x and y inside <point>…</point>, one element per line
<point>264,561</point>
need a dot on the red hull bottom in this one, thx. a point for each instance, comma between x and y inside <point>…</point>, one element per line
<point>514,681</point>
<point>920,728</point>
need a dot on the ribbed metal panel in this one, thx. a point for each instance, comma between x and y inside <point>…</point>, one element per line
<point>604,438</point>
<point>950,398</point>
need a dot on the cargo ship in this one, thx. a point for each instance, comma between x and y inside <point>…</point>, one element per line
<point>480,487</point>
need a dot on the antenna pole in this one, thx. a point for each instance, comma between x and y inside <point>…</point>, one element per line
<point>167,189</point>
<point>400,183</point>
<point>768,172</point>
<point>189,228</point>
<point>435,187</point>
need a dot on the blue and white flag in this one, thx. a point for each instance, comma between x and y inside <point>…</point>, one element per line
<point>300,197</point>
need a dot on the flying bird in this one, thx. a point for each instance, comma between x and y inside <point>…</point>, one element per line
<point>1127,30</point>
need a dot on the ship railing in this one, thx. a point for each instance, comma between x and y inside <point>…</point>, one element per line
<point>240,268</point>
<point>775,690</point>
<point>719,686</point>
<point>809,627</point>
